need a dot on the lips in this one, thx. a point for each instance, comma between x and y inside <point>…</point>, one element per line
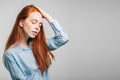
<point>34,32</point>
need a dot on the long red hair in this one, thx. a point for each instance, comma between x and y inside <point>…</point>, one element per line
<point>41,52</point>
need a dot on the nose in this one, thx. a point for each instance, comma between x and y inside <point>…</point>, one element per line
<point>37,27</point>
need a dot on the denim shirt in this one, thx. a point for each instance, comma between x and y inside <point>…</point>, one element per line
<point>21,63</point>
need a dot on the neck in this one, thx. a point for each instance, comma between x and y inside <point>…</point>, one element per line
<point>24,41</point>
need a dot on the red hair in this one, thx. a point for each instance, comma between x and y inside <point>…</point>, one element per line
<point>40,49</point>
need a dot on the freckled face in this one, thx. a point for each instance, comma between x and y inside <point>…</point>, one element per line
<point>32,24</point>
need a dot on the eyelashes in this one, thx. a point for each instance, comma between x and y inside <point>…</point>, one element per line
<point>34,22</point>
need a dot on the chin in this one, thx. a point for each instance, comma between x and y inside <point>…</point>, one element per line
<point>32,36</point>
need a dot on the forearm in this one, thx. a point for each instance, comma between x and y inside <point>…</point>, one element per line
<point>60,37</point>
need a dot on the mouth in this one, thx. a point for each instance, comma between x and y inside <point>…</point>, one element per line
<point>34,33</point>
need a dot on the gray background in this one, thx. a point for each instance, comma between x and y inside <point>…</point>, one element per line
<point>93,26</point>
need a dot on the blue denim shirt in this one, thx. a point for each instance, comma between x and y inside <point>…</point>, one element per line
<point>20,61</point>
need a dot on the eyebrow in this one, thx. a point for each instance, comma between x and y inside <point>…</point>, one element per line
<point>36,20</point>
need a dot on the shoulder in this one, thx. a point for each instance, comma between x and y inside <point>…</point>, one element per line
<point>11,52</point>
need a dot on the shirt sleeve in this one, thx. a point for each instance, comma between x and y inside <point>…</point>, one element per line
<point>13,68</point>
<point>60,37</point>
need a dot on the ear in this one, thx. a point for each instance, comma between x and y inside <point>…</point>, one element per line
<point>21,23</point>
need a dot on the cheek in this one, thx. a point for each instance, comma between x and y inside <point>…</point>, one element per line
<point>39,30</point>
<point>27,27</point>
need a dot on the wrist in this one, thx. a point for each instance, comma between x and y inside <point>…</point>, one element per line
<point>48,18</point>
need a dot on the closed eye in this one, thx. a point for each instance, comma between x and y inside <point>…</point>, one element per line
<point>36,22</point>
<point>33,22</point>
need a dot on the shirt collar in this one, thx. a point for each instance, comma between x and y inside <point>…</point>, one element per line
<point>24,48</point>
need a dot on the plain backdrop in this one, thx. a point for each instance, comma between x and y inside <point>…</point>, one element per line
<point>93,26</point>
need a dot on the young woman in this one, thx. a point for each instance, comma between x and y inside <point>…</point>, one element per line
<point>28,53</point>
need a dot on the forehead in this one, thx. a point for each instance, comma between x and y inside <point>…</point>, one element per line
<point>35,15</point>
